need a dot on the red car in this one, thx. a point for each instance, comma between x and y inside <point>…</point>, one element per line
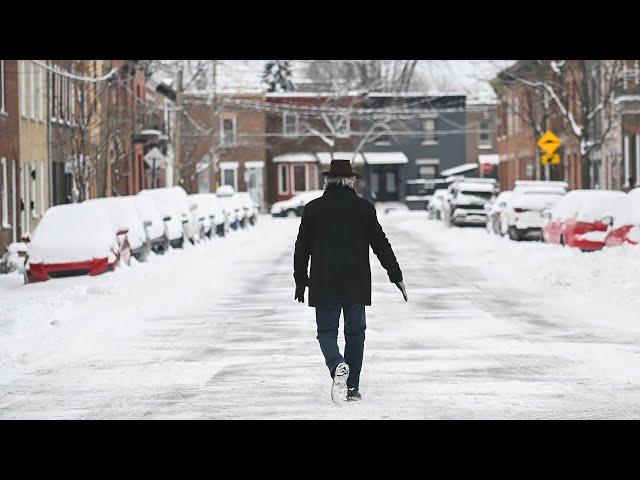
<point>577,219</point>
<point>625,221</point>
<point>74,239</point>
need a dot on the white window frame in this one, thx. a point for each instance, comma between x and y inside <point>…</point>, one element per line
<point>43,200</point>
<point>296,124</point>
<point>224,166</point>
<point>42,93</point>
<point>425,140</point>
<point>2,95</point>
<point>32,91</point>
<point>34,189</point>
<point>4,193</point>
<point>487,131</point>
<point>627,169</point>
<point>283,173</point>
<point>293,178</point>
<point>235,133</point>
<point>637,160</point>
<point>23,87</point>
<point>14,199</point>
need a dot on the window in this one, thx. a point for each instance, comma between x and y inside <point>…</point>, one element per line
<point>484,140</point>
<point>53,106</point>
<point>299,178</point>
<point>2,87</point>
<point>391,182</point>
<point>43,201</point>
<point>283,183</point>
<point>427,171</point>
<point>229,174</point>
<point>429,129</point>
<point>41,94</point>
<point>228,130</point>
<point>23,87</point>
<point>290,124</point>
<point>34,188</point>
<point>32,91</point>
<point>5,194</point>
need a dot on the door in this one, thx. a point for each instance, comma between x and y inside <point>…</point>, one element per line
<point>254,184</point>
<point>384,182</point>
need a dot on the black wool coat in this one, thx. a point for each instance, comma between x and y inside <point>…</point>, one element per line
<point>336,231</point>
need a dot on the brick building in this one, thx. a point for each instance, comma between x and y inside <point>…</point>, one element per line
<point>298,136</point>
<point>9,153</point>
<point>627,102</point>
<point>222,144</point>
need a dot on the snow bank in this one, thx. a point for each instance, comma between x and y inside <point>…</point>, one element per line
<point>597,287</point>
<point>72,233</point>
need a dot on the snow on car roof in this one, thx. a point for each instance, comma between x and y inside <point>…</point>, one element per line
<point>587,205</point>
<point>627,212</point>
<point>475,187</point>
<point>72,233</point>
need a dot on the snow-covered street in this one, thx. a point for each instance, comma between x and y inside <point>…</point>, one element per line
<point>493,329</point>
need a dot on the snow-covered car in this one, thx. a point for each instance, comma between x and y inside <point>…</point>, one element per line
<point>576,220</point>
<point>434,207</point>
<point>624,224</point>
<point>465,203</point>
<point>173,204</point>
<point>153,222</point>
<point>74,239</point>
<point>124,216</point>
<point>210,213</point>
<point>495,212</point>
<point>295,205</point>
<point>233,206</point>
<point>13,257</point>
<point>523,216</point>
<point>249,206</point>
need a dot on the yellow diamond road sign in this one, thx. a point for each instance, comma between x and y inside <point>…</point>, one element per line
<point>548,158</point>
<point>549,142</point>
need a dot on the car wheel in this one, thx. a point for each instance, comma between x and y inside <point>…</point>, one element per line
<point>562,240</point>
<point>292,213</point>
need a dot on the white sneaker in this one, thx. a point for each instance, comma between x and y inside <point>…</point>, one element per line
<point>339,386</point>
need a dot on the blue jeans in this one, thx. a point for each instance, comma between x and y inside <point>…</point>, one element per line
<point>328,321</point>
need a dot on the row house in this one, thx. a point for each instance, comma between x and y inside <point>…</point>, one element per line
<point>627,138</point>
<point>480,141</point>
<point>421,145</point>
<point>9,153</point>
<point>222,142</point>
<point>520,119</point>
<point>305,131</point>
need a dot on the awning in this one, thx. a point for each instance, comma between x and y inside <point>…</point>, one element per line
<point>491,158</point>
<point>325,157</point>
<point>385,158</point>
<point>465,167</point>
<point>300,157</point>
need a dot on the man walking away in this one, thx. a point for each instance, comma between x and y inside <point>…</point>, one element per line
<point>336,231</point>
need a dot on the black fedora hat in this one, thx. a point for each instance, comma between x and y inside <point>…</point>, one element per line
<point>341,168</point>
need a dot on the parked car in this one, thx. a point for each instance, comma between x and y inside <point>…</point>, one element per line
<point>210,213</point>
<point>154,223</point>
<point>173,205</point>
<point>466,199</point>
<point>124,216</point>
<point>74,239</point>
<point>495,212</point>
<point>13,257</point>
<point>522,218</point>
<point>434,207</point>
<point>250,207</point>
<point>576,220</point>
<point>233,205</point>
<point>624,224</point>
<point>295,205</point>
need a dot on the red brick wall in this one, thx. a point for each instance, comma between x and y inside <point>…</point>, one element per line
<point>9,147</point>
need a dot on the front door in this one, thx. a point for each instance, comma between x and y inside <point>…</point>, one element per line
<point>384,182</point>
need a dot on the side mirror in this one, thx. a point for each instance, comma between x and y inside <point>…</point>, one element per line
<point>607,220</point>
<point>122,231</point>
<point>147,223</point>
<point>166,218</point>
<point>26,237</point>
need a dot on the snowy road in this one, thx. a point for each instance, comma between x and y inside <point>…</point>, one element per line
<point>213,333</point>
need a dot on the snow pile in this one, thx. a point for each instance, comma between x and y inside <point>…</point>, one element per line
<point>600,287</point>
<point>72,233</point>
<point>627,212</point>
<point>124,215</point>
<point>13,258</point>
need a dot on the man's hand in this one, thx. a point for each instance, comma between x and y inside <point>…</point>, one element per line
<point>299,293</point>
<point>402,288</point>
